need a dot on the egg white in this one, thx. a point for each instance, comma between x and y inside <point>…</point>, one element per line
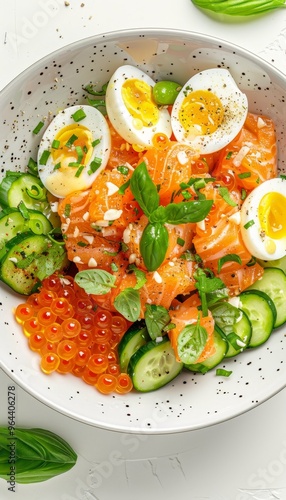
<point>259,244</point>
<point>235,106</point>
<point>123,120</point>
<point>63,181</point>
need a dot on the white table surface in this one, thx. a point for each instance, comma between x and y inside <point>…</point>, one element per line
<point>241,459</point>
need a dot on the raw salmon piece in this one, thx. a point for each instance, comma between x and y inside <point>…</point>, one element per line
<point>238,280</point>
<point>122,152</point>
<point>252,156</point>
<point>172,165</point>
<point>108,208</point>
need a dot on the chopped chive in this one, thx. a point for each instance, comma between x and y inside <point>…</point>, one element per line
<point>244,175</point>
<point>112,254</point>
<point>32,166</point>
<point>282,176</point>
<point>56,144</point>
<point>57,166</point>
<point>180,242</point>
<point>79,152</point>
<point>248,224</point>
<point>184,185</point>
<point>95,142</point>
<point>85,149</point>
<point>124,247</point>
<point>243,194</point>
<point>123,170</point>
<point>123,188</point>
<point>186,194</point>
<point>82,244</point>
<point>79,115</point>
<point>79,171</point>
<point>94,165</point>
<point>74,164</point>
<point>44,158</point>
<point>38,128</point>
<point>114,267</point>
<point>223,373</point>
<point>67,210</point>
<point>71,140</point>
<point>251,262</point>
<point>23,210</point>
<point>229,155</point>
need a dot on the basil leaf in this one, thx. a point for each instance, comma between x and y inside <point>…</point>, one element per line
<point>128,304</point>
<point>154,245</point>
<point>224,192</point>
<point>144,189</point>
<point>140,276</point>
<point>39,455</point>
<point>231,257</point>
<point>188,211</point>
<point>159,215</point>
<point>239,7</point>
<point>95,281</point>
<point>156,318</point>
<point>191,343</point>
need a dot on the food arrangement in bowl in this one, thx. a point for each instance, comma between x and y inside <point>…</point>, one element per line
<point>142,235</point>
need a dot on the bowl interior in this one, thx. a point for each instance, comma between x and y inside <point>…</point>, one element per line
<point>57,81</point>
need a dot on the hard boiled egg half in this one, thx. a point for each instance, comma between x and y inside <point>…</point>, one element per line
<point>263,220</point>
<point>132,109</point>
<point>74,149</point>
<point>209,111</point>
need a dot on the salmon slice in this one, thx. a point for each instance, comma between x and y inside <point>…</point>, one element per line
<point>238,280</point>
<point>171,165</point>
<point>188,313</point>
<point>251,158</point>
<point>122,152</point>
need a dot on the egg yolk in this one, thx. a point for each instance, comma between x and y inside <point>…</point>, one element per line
<point>74,146</point>
<point>201,113</point>
<point>137,97</point>
<point>271,213</point>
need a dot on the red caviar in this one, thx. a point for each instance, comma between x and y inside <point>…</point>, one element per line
<point>73,334</point>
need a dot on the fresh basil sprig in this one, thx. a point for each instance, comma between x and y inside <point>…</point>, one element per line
<point>95,281</point>
<point>155,238</point>
<point>144,189</point>
<point>128,304</point>
<point>206,284</point>
<point>156,319</point>
<point>191,342</point>
<point>37,455</point>
<point>239,7</point>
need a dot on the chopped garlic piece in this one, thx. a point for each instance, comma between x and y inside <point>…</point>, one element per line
<point>92,262</point>
<point>240,155</point>
<point>260,122</point>
<point>76,232</point>
<point>111,188</point>
<point>85,216</point>
<point>13,259</point>
<point>132,258</point>
<point>77,260</point>
<point>202,225</point>
<point>89,238</point>
<point>157,277</point>
<point>54,206</point>
<point>126,235</point>
<point>112,214</point>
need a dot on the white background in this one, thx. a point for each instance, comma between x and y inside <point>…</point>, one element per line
<point>242,459</point>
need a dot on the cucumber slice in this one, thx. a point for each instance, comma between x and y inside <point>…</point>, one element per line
<point>261,311</point>
<point>28,259</point>
<point>273,283</point>
<point>221,347</point>
<point>135,337</point>
<point>14,189</point>
<point>280,263</point>
<point>235,326</point>
<point>12,223</point>
<point>153,365</point>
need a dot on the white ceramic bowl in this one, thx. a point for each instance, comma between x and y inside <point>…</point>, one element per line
<point>192,401</point>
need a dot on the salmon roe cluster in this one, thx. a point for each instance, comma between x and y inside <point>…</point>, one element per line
<point>74,335</point>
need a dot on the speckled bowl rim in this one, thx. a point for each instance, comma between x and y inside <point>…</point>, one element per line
<point>129,33</point>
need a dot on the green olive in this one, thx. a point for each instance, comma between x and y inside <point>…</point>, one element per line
<point>165,92</point>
